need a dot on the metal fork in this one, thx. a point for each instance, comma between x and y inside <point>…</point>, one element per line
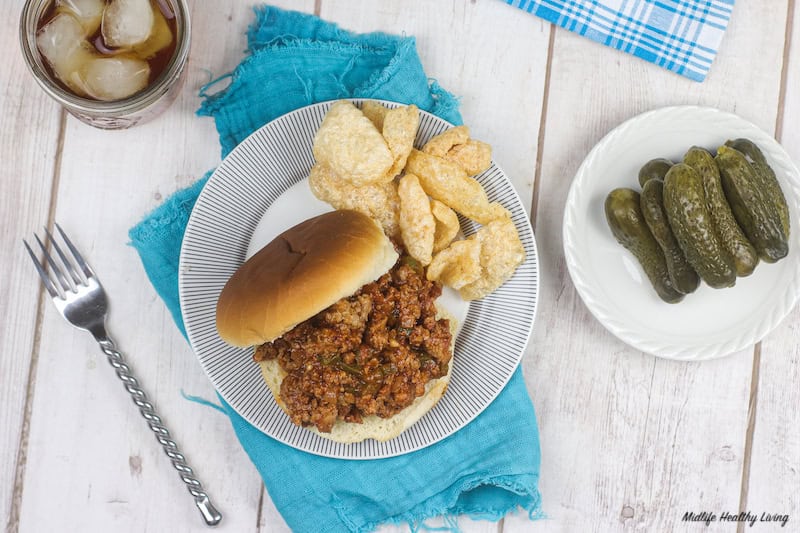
<point>81,300</point>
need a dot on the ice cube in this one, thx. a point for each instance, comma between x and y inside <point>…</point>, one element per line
<point>64,47</point>
<point>115,78</point>
<point>160,38</point>
<point>127,23</point>
<point>88,12</point>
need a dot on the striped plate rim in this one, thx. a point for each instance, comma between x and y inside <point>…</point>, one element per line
<point>272,159</point>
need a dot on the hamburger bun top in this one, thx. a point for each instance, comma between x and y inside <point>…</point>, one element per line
<point>303,271</point>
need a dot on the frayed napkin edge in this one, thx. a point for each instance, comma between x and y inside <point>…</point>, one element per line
<point>450,511</point>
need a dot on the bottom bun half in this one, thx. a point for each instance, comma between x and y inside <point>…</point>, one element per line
<point>372,427</point>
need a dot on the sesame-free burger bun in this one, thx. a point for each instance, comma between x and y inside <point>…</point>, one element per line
<point>303,271</point>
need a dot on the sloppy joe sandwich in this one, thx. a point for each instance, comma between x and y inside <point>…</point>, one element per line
<point>345,325</point>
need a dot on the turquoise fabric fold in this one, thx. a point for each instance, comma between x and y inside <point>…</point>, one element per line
<point>296,60</point>
<point>485,470</point>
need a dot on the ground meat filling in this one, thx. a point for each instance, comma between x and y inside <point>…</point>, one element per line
<point>369,354</point>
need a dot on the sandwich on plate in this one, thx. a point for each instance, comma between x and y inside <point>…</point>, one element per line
<point>345,327</point>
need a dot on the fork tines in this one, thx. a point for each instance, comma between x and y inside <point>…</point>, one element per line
<point>66,273</point>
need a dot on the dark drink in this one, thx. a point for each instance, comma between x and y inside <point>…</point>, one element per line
<point>106,50</point>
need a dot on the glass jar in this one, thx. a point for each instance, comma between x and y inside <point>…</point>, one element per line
<point>118,114</point>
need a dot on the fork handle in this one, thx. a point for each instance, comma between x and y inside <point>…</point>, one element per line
<point>211,516</point>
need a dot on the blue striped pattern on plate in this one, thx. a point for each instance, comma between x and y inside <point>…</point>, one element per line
<point>680,35</point>
<point>261,168</point>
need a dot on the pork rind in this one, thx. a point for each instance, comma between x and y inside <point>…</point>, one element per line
<point>378,201</point>
<point>359,154</point>
<point>417,225</point>
<point>473,156</point>
<point>501,252</point>
<point>457,265</point>
<point>351,145</point>
<point>447,225</point>
<point>442,143</point>
<point>399,129</point>
<point>449,183</point>
<point>375,112</point>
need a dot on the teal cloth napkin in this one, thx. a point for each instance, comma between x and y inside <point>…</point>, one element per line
<point>486,469</point>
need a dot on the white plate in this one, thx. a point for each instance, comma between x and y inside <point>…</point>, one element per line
<point>710,322</point>
<point>261,189</point>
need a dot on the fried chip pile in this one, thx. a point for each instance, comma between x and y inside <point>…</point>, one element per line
<point>473,156</point>
<point>457,265</point>
<point>447,225</point>
<point>366,161</point>
<point>501,253</point>
<point>375,112</point>
<point>351,146</point>
<point>399,129</point>
<point>450,184</point>
<point>445,141</point>
<point>417,225</point>
<point>378,201</point>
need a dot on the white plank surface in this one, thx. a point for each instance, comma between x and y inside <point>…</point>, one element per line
<point>27,158</point>
<point>629,442</point>
<point>469,61</point>
<point>107,469</point>
<point>775,461</point>
<point>666,437</point>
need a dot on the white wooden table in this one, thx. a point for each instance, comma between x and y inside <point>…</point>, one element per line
<point>629,442</point>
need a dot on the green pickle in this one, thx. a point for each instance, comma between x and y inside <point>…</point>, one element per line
<point>683,276</point>
<point>766,177</point>
<point>624,216</point>
<point>690,220</point>
<point>654,169</point>
<point>756,214</point>
<point>729,233</point>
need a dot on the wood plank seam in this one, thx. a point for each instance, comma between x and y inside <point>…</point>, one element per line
<point>30,389</point>
<point>787,45</point>
<point>753,404</point>
<point>19,471</point>
<point>542,124</point>
<point>537,172</point>
<point>748,440</point>
<point>261,496</point>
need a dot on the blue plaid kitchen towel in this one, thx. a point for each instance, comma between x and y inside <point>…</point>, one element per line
<point>680,35</point>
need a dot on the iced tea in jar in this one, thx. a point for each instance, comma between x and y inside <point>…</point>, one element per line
<point>111,63</point>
